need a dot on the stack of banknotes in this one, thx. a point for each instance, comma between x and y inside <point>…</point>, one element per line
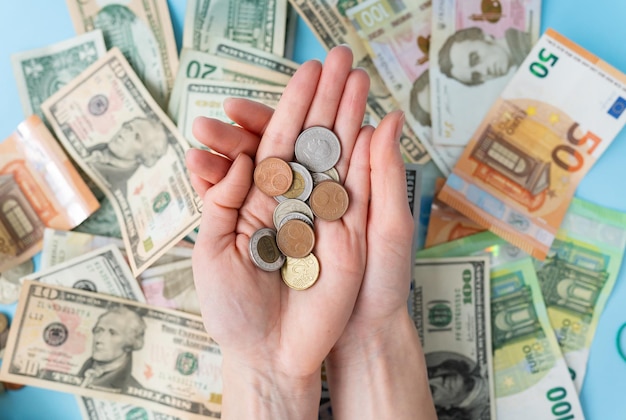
<point>511,274</point>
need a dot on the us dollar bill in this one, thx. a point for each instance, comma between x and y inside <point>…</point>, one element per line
<point>60,246</point>
<point>103,270</point>
<point>527,362</point>
<point>198,65</point>
<point>259,24</point>
<point>451,309</point>
<point>142,30</point>
<point>206,97</point>
<point>125,143</point>
<point>42,71</point>
<point>328,21</point>
<point>413,173</point>
<point>164,361</point>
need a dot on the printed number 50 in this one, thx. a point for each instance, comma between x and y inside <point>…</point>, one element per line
<point>539,69</point>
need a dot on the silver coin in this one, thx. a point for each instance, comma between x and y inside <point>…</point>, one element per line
<point>318,149</point>
<point>295,216</point>
<point>301,186</point>
<point>290,206</point>
<point>264,252</point>
<point>319,177</point>
<point>333,173</point>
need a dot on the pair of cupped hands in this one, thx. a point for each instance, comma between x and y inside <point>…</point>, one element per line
<point>268,332</point>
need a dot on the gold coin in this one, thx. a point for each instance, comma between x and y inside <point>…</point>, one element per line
<point>329,200</point>
<point>273,176</point>
<point>300,273</point>
<point>295,238</point>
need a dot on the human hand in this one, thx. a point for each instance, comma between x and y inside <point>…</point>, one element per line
<point>263,326</point>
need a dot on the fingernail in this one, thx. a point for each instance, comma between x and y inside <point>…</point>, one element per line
<point>400,126</point>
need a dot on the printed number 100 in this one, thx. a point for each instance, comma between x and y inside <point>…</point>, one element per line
<point>559,408</point>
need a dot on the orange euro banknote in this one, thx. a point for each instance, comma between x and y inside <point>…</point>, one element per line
<point>39,187</point>
<point>555,118</point>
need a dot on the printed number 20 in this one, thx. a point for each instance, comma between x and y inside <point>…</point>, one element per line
<point>539,69</point>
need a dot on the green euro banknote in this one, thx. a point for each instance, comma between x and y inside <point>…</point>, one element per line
<point>578,276</point>
<point>527,362</point>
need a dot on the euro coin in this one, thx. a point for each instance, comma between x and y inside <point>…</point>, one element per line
<point>290,206</point>
<point>301,186</point>
<point>295,239</point>
<point>300,273</point>
<point>273,176</point>
<point>329,200</point>
<point>264,251</point>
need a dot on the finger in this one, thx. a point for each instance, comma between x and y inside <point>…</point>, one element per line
<point>358,179</point>
<point>388,177</point>
<point>224,138</point>
<point>206,165</point>
<point>330,87</point>
<point>286,123</point>
<point>199,185</point>
<point>350,116</point>
<point>251,115</point>
<point>221,206</point>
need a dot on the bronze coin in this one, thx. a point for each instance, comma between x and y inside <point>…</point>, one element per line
<point>12,386</point>
<point>329,200</point>
<point>273,176</point>
<point>295,239</point>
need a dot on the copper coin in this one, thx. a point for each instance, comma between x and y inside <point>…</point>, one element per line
<point>12,386</point>
<point>329,200</point>
<point>295,239</point>
<point>273,176</point>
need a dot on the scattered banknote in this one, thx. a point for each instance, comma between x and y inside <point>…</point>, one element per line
<point>445,223</point>
<point>259,24</point>
<point>396,35</point>
<point>476,47</point>
<point>198,65</point>
<point>527,362</point>
<point>557,115</point>
<point>10,281</point>
<point>60,341</point>
<point>578,276</point>
<point>227,48</point>
<point>328,21</point>
<point>142,30</point>
<point>42,71</point>
<point>60,246</point>
<point>450,307</point>
<point>103,270</point>
<point>205,98</point>
<point>430,173</point>
<point>413,173</point>
<point>97,409</point>
<point>171,286</point>
<point>39,187</point>
<point>126,144</point>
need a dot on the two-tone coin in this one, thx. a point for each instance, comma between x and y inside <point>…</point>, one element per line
<point>333,173</point>
<point>290,206</point>
<point>295,239</point>
<point>329,200</point>
<point>301,186</point>
<point>273,176</point>
<point>264,251</point>
<point>318,149</point>
<point>300,273</point>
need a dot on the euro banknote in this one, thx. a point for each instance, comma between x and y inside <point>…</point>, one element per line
<point>555,118</point>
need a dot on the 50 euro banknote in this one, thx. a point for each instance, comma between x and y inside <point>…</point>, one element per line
<point>556,117</point>
<point>61,341</point>
<point>108,122</point>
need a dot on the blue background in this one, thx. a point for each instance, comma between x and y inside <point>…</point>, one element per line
<point>597,26</point>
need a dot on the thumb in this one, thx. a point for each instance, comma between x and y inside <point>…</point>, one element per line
<point>222,203</point>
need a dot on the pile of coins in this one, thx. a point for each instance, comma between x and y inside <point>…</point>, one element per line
<point>304,189</point>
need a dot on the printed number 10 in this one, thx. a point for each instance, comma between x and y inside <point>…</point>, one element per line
<point>539,69</point>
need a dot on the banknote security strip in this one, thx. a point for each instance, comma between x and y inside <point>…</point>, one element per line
<point>305,189</point>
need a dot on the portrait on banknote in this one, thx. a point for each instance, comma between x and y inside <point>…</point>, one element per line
<point>473,57</point>
<point>117,333</point>
<point>139,141</point>
<point>419,104</point>
<point>459,388</point>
